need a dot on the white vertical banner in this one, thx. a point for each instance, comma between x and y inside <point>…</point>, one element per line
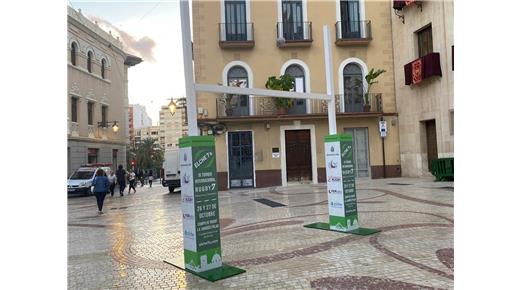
<point>188,200</point>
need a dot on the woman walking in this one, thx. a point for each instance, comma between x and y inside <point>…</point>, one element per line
<point>112,181</point>
<point>131,181</point>
<point>150,177</point>
<point>100,184</point>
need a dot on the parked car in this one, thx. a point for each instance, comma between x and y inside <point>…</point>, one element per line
<point>81,180</point>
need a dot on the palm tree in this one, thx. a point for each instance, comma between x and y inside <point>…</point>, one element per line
<point>149,154</point>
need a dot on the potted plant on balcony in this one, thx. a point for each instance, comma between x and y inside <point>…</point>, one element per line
<point>370,78</point>
<point>230,101</point>
<point>283,83</point>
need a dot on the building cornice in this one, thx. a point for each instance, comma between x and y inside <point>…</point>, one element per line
<point>92,140</point>
<point>83,23</point>
<point>88,73</point>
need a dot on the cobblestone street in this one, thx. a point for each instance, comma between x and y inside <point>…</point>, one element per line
<point>125,247</point>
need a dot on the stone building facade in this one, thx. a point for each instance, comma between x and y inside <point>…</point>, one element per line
<point>97,94</point>
<point>245,42</point>
<point>423,47</point>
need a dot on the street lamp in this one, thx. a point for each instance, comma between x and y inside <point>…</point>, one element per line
<point>172,107</point>
<point>115,127</point>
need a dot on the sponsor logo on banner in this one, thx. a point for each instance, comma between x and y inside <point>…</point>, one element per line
<point>334,179</point>
<point>332,148</point>
<point>335,204</point>
<point>186,178</point>
<point>187,199</point>
<point>335,191</point>
<point>189,235</point>
<point>187,216</point>
<point>185,157</point>
<point>333,164</point>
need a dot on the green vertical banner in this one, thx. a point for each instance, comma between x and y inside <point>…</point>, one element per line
<point>199,193</point>
<point>341,182</point>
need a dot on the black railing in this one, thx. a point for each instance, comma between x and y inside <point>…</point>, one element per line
<point>353,30</point>
<point>294,31</point>
<point>362,102</point>
<point>236,31</point>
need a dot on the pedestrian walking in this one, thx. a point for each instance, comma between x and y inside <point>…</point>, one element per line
<point>112,180</point>
<point>101,187</point>
<point>121,179</point>
<point>131,181</point>
<point>150,177</point>
<point>140,176</point>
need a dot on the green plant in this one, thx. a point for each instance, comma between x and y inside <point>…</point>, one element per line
<point>370,78</point>
<point>283,83</point>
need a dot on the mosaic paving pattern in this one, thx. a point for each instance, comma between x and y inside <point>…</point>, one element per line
<point>125,247</point>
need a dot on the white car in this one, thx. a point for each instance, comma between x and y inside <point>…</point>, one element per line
<point>81,180</point>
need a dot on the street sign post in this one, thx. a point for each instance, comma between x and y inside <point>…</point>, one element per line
<point>382,128</point>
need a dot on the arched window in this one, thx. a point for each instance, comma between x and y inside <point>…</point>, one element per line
<point>103,65</point>
<point>237,105</point>
<point>89,61</point>
<point>73,49</point>
<point>353,84</point>
<point>299,105</point>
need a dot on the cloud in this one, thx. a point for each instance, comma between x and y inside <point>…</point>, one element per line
<point>142,47</point>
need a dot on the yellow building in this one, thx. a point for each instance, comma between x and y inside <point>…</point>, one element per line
<point>243,42</point>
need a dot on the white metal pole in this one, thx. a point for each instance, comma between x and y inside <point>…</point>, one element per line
<point>191,100</point>
<point>330,81</point>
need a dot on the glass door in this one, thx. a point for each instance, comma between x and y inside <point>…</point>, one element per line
<point>350,25</point>
<point>360,143</point>
<point>236,26</point>
<point>292,17</point>
<point>240,152</point>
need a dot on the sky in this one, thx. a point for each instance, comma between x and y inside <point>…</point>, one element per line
<point>150,30</point>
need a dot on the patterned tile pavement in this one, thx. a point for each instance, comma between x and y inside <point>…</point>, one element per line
<point>125,247</point>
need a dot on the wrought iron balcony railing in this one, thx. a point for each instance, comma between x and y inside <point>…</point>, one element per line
<point>293,33</point>
<point>353,32</point>
<point>240,106</point>
<point>236,34</point>
<point>361,102</point>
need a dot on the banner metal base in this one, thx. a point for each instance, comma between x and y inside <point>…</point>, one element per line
<point>212,275</point>
<point>359,231</point>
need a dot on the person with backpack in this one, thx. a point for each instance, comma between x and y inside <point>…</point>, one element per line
<point>121,179</point>
<point>101,187</point>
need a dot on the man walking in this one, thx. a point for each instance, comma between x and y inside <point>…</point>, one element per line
<point>121,179</point>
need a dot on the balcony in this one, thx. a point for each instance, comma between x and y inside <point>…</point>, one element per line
<point>349,33</point>
<point>347,105</point>
<point>294,34</point>
<point>236,35</point>
<point>422,68</point>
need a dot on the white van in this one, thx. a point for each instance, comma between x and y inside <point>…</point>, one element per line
<point>81,180</point>
<point>171,170</point>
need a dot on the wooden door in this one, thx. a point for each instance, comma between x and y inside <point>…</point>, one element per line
<point>431,141</point>
<point>298,158</point>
